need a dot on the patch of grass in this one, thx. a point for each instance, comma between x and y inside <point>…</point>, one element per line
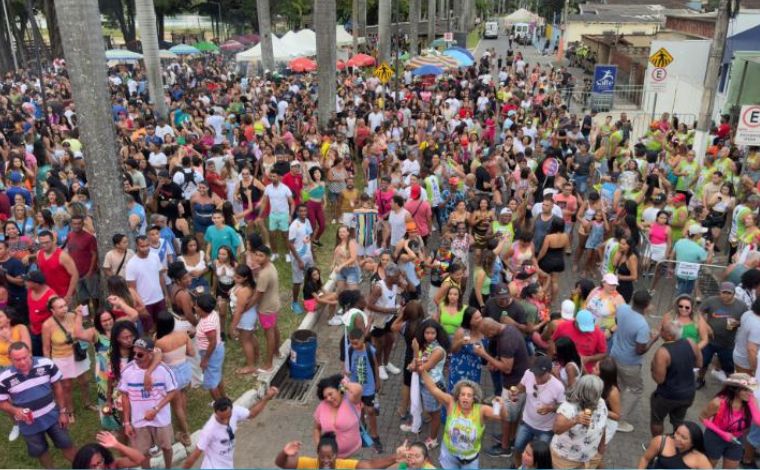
<point>473,38</point>
<point>198,409</point>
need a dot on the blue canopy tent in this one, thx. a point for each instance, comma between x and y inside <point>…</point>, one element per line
<point>748,40</point>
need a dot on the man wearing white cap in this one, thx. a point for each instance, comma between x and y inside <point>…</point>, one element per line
<point>689,250</point>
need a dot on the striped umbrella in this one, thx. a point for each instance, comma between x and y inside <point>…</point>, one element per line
<point>441,61</point>
<point>123,55</point>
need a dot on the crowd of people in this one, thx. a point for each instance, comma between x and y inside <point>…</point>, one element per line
<point>456,205</point>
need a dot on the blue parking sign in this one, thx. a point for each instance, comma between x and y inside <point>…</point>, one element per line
<point>604,78</point>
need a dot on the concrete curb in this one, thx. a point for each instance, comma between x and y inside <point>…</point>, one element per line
<point>246,400</point>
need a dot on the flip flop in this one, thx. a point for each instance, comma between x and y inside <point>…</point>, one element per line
<point>245,371</point>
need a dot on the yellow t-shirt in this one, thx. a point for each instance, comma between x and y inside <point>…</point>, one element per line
<point>313,463</point>
<point>5,359</point>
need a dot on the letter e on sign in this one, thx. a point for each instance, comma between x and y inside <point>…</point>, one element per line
<point>748,129</point>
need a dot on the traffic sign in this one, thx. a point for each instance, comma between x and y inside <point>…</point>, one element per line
<point>657,80</point>
<point>661,59</point>
<point>659,74</point>
<point>748,129</point>
<point>384,72</point>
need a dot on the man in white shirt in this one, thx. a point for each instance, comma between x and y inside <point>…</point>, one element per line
<point>216,441</point>
<point>146,412</point>
<point>163,129</point>
<point>187,178</point>
<point>216,122</point>
<point>145,274</point>
<point>299,242</point>
<point>280,200</point>
<point>157,157</point>
<point>375,119</point>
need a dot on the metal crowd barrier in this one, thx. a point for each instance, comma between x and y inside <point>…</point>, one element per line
<point>665,290</point>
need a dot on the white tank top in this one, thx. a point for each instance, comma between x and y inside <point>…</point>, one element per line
<point>398,225</point>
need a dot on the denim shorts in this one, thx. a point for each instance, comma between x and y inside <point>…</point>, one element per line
<point>754,436</point>
<point>37,445</point>
<point>429,403</point>
<point>716,448</point>
<point>183,373</point>
<point>526,434</point>
<point>212,376</point>
<point>350,275</point>
<point>248,320</point>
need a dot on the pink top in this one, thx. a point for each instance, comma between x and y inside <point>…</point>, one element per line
<point>658,234</point>
<point>344,423</point>
<point>729,420</point>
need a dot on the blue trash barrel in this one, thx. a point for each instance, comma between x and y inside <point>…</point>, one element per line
<point>303,354</point>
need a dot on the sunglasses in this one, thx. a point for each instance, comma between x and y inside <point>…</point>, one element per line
<point>535,390</point>
<point>685,307</point>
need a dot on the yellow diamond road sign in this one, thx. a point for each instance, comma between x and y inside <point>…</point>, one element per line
<point>384,72</point>
<point>661,58</point>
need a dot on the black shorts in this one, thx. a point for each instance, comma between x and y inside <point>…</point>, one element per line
<point>380,332</point>
<point>369,401</point>
<point>660,408</point>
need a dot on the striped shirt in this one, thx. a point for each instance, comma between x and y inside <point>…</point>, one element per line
<point>132,384</point>
<point>33,391</point>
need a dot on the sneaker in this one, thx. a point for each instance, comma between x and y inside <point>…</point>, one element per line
<point>382,373</point>
<point>407,428</point>
<point>431,443</point>
<point>392,369</point>
<point>719,375</point>
<point>154,451</point>
<point>274,257</point>
<point>377,445</point>
<point>14,433</point>
<point>624,426</point>
<point>335,321</point>
<point>498,451</point>
<point>700,383</point>
<point>296,307</point>
<point>287,258</point>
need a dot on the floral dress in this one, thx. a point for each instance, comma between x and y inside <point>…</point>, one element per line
<point>102,345</point>
<point>465,364</point>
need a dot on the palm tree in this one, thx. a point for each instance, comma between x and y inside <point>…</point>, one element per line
<point>265,31</point>
<point>431,21</point>
<point>324,20</point>
<point>355,25</point>
<point>383,30</point>
<point>361,7</point>
<point>146,19</point>
<point>79,24</point>
<point>414,25</point>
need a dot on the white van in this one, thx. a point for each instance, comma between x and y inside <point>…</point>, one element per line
<point>491,30</point>
<point>522,33</point>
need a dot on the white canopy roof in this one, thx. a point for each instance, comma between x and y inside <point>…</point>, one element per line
<point>521,16</point>
<point>283,51</point>
<point>299,42</point>
<point>343,37</point>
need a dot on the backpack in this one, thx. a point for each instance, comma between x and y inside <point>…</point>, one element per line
<point>370,359</point>
<point>189,177</point>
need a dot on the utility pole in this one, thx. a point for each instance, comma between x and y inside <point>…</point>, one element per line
<point>397,63</point>
<point>713,66</point>
<point>82,37</point>
<point>11,39</point>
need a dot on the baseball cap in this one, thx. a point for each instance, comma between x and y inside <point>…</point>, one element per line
<point>505,211</point>
<point>567,310</point>
<point>551,191</point>
<point>500,291</point>
<point>659,198</point>
<point>610,278</point>
<point>144,343</point>
<point>541,365</point>
<point>295,163</point>
<point>35,276</point>
<point>727,287</point>
<point>696,229</point>
<point>679,197</point>
<point>585,321</point>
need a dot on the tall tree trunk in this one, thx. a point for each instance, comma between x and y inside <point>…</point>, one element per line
<point>383,30</point>
<point>41,52</point>
<point>355,25</point>
<point>265,31</point>
<point>441,9</point>
<point>54,33</point>
<point>146,18</point>
<point>431,21</point>
<point>82,36</point>
<point>362,21</point>
<point>6,52</point>
<point>324,21</point>
<point>160,17</point>
<point>414,26</point>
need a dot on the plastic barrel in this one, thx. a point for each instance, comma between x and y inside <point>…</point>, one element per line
<point>303,354</point>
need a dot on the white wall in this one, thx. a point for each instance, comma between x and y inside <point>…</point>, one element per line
<point>745,20</point>
<point>576,29</point>
<point>686,75</point>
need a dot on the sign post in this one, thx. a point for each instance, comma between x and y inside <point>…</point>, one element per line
<point>383,72</point>
<point>603,87</point>
<point>657,78</point>
<point>748,129</point>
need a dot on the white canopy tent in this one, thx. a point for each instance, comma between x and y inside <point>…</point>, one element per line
<point>343,37</point>
<point>283,52</point>
<point>300,43</point>
<point>521,16</point>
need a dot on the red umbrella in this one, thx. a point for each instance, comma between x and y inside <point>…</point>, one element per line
<point>302,64</point>
<point>340,65</point>
<point>232,46</point>
<point>361,60</point>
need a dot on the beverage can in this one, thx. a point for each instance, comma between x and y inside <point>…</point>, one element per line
<point>496,404</point>
<point>28,415</point>
<point>85,310</point>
